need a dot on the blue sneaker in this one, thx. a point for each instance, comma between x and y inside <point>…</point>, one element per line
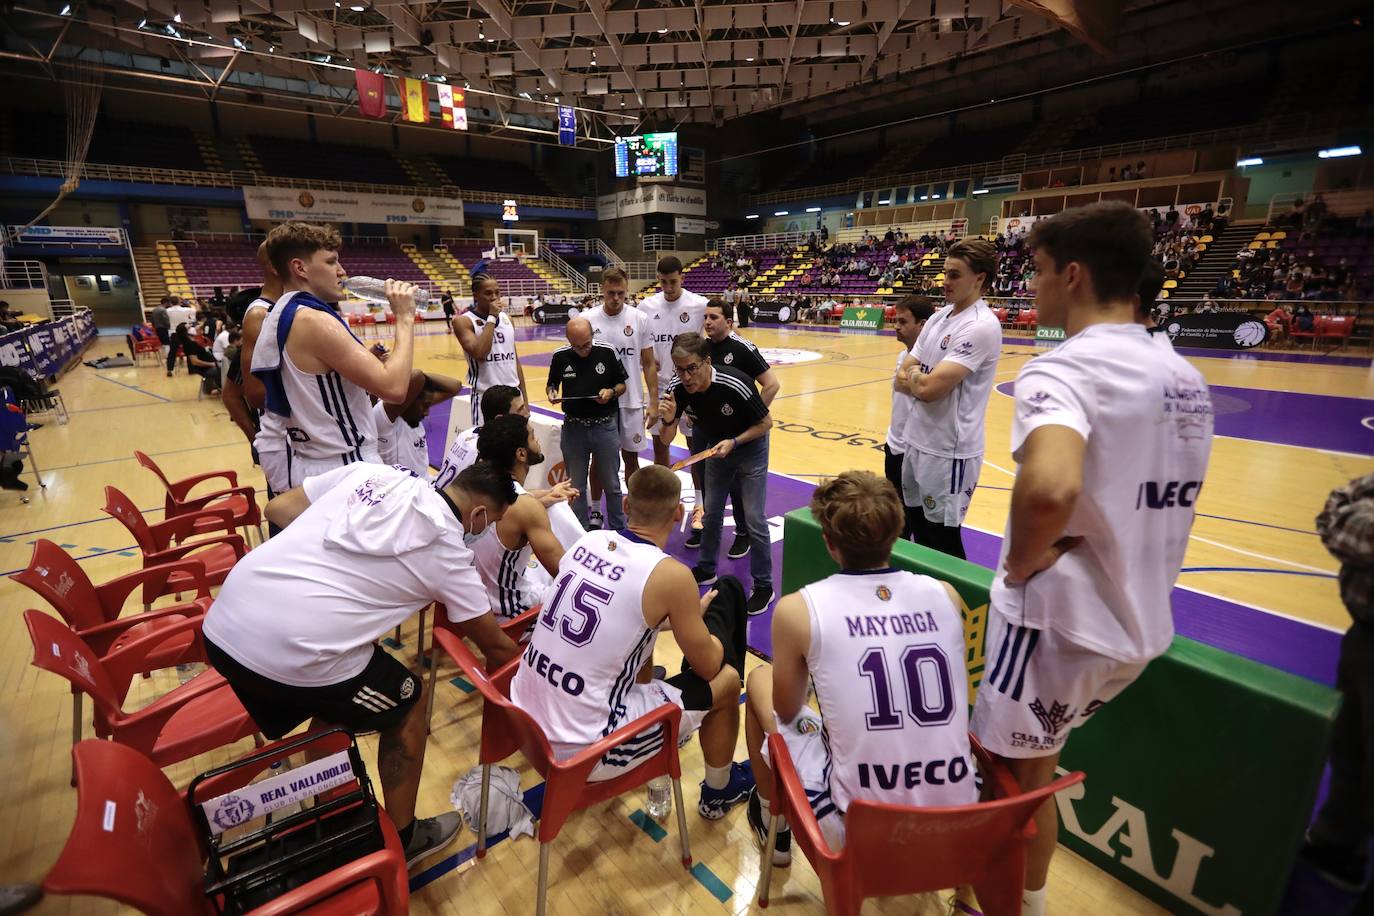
<point>716,802</point>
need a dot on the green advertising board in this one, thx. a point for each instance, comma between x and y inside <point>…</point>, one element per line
<point>1049,335</point>
<point>862,316</point>
<point>1201,777</point>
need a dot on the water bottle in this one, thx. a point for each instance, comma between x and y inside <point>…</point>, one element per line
<point>371,289</point>
<point>660,798</point>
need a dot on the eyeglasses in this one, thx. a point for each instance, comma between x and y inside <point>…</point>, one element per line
<point>690,368</point>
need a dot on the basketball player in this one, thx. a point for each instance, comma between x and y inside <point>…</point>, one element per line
<point>401,438</point>
<point>294,628</point>
<point>1111,436</point>
<point>487,336</point>
<point>270,443</point>
<point>497,401</point>
<point>950,373</point>
<point>1151,282</point>
<point>318,375</point>
<point>627,330</point>
<point>614,590</point>
<point>908,318</point>
<point>526,534</point>
<point>671,311</point>
<point>885,649</point>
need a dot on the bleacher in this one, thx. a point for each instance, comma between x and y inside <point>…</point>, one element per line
<point>43,135</point>
<point>302,159</point>
<point>968,146</point>
<point>526,280</point>
<point>235,263</point>
<point>488,175</point>
<point>1204,109</point>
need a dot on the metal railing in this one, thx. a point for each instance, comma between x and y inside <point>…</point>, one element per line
<point>1338,203</point>
<point>940,227</point>
<point>640,270</point>
<point>658,241</point>
<point>23,275</point>
<point>62,308</point>
<point>53,168</point>
<point>1286,127</point>
<point>757,242</point>
<point>564,269</point>
<point>591,247</point>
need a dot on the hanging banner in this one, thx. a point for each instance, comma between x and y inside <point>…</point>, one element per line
<point>452,107</point>
<point>280,204</point>
<point>1217,330</point>
<point>371,93</point>
<point>67,235</point>
<point>686,225</point>
<point>652,198</point>
<point>414,100</point>
<point>567,126</point>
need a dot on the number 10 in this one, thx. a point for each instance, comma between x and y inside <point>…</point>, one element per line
<point>923,667</point>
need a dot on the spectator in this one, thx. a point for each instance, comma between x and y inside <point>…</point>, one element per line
<point>1171,217</point>
<point>222,341</point>
<point>1207,305</point>
<point>199,361</point>
<point>1126,174</point>
<point>1303,319</point>
<point>1111,174</point>
<point>9,321</point>
<point>1139,170</point>
<point>1316,212</point>
<point>1338,841</point>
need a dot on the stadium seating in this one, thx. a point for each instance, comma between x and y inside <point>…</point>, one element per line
<point>486,175</point>
<point>301,159</point>
<point>235,264</point>
<point>162,146</point>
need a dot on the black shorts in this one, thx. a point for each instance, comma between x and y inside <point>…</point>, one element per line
<point>377,699</point>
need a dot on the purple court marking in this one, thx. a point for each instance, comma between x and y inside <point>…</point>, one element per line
<point>1288,418</point>
<point>1290,645</point>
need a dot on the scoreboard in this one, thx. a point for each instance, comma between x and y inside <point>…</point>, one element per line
<point>650,155</point>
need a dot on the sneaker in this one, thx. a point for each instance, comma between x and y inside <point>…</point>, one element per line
<point>1341,867</point>
<point>595,519</point>
<point>740,547</point>
<point>759,600</point>
<point>698,518</point>
<point>431,835</point>
<point>716,802</point>
<point>693,540</point>
<point>782,844</point>
<point>702,576</point>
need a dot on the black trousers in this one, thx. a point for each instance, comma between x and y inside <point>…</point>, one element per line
<point>892,470</point>
<point>1346,820</point>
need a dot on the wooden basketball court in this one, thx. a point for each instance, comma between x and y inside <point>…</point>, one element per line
<point>1289,431</point>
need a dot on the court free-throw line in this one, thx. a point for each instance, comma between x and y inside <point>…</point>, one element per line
<point>133,388</point>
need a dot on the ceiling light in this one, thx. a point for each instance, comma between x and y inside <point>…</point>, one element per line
<point>551,82</point>
<point>1253,160</point>
<point>67,11</point>
<point>663,31</point>
<point>1338,152</point>
<point>981,191</point>
<point>176,17</point>
<point>357,8</point>
<point>935,196</point>
<point>752,216</point>
<point>425,77</point>
<point>480,33</point>
<point>750,59</point>
<point>238,43</point>
<point>925,197</point>
<point>780,213</point>
<point>143,23</point>
<point>842,24</point>
<point>271,49</point>
<point>883,203</point>
<point>813,209</point>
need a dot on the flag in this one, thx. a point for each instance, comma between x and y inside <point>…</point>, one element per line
<point>371,94</point>
<point>567,126</point>
<point>451,108</point>
<point>414,100</point>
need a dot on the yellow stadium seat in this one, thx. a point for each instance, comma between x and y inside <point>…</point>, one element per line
<point>1271,244</point>
<point>1280,234</point>
<point>1164,294</point>
<point>1262,237</point>
<point>1236,274</point>
<point>1206,240</point>
<point>897,283</point>
<point>1171,284</point>
<point>1255,246</point>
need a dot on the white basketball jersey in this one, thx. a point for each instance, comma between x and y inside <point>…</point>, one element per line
<point>628,333</point>
<point>399,443</point>
<point>461,454</point>
<point>901,412</point>
<point>331,418</point>
<point>590,642</point>
<point>271,435</point>
<point>666,321</point>
<point>887,659</point>
<point>952,427</point>
<point>498,367</point>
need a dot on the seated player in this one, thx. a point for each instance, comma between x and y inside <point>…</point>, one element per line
<point>597,632</point>
<point>462,451</point>
<point>199,361</point>
<point>401,436</point>
<point>294,628</point>
<point>526,535</point>
<point>885,650</point>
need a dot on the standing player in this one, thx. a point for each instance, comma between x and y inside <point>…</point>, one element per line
<point>270,443</point>
<point>885,649</point>
<point>909,317</point>
<point>582,676</point>
<point>487,336</point>
<point>1111,436</point>
<point>627,331</point>
<point>462,451</point>
<point>671,311</point>
<point>318,375</point>
<point>526,533</point>
<point>950,373</point>
<point>735,352</point>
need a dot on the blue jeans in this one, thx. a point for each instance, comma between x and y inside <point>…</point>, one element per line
<point>602,440</point>
<point>747,465</point>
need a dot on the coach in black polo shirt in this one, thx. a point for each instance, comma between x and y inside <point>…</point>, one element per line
<point>591,379</point>
<point>727,412</point>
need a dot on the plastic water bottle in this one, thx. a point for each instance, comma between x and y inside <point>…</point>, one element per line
<point>373,290</point>
<point>660,798</point>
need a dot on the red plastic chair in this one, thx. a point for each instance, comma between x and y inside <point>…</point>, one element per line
<point>217,554</point>
<point>240,501</point>
<point>515,628</point>
<point>506,728</point>
<point>133,841</point>
<point>896,849</point>
<point>1337,327</point>
<point>92,611</point>
<point>146,345</point>
<point>199,716</point>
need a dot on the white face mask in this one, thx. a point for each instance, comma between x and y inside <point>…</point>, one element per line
<point>471,529</point>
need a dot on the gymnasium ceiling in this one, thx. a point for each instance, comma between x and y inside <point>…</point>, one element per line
<point>625,64</point>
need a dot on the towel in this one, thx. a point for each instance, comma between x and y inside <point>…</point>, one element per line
<point>390,513</point>
<point>271,345</point>
<point>505,803</point>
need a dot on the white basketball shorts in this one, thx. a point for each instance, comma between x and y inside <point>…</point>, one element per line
<point>941,487</point>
